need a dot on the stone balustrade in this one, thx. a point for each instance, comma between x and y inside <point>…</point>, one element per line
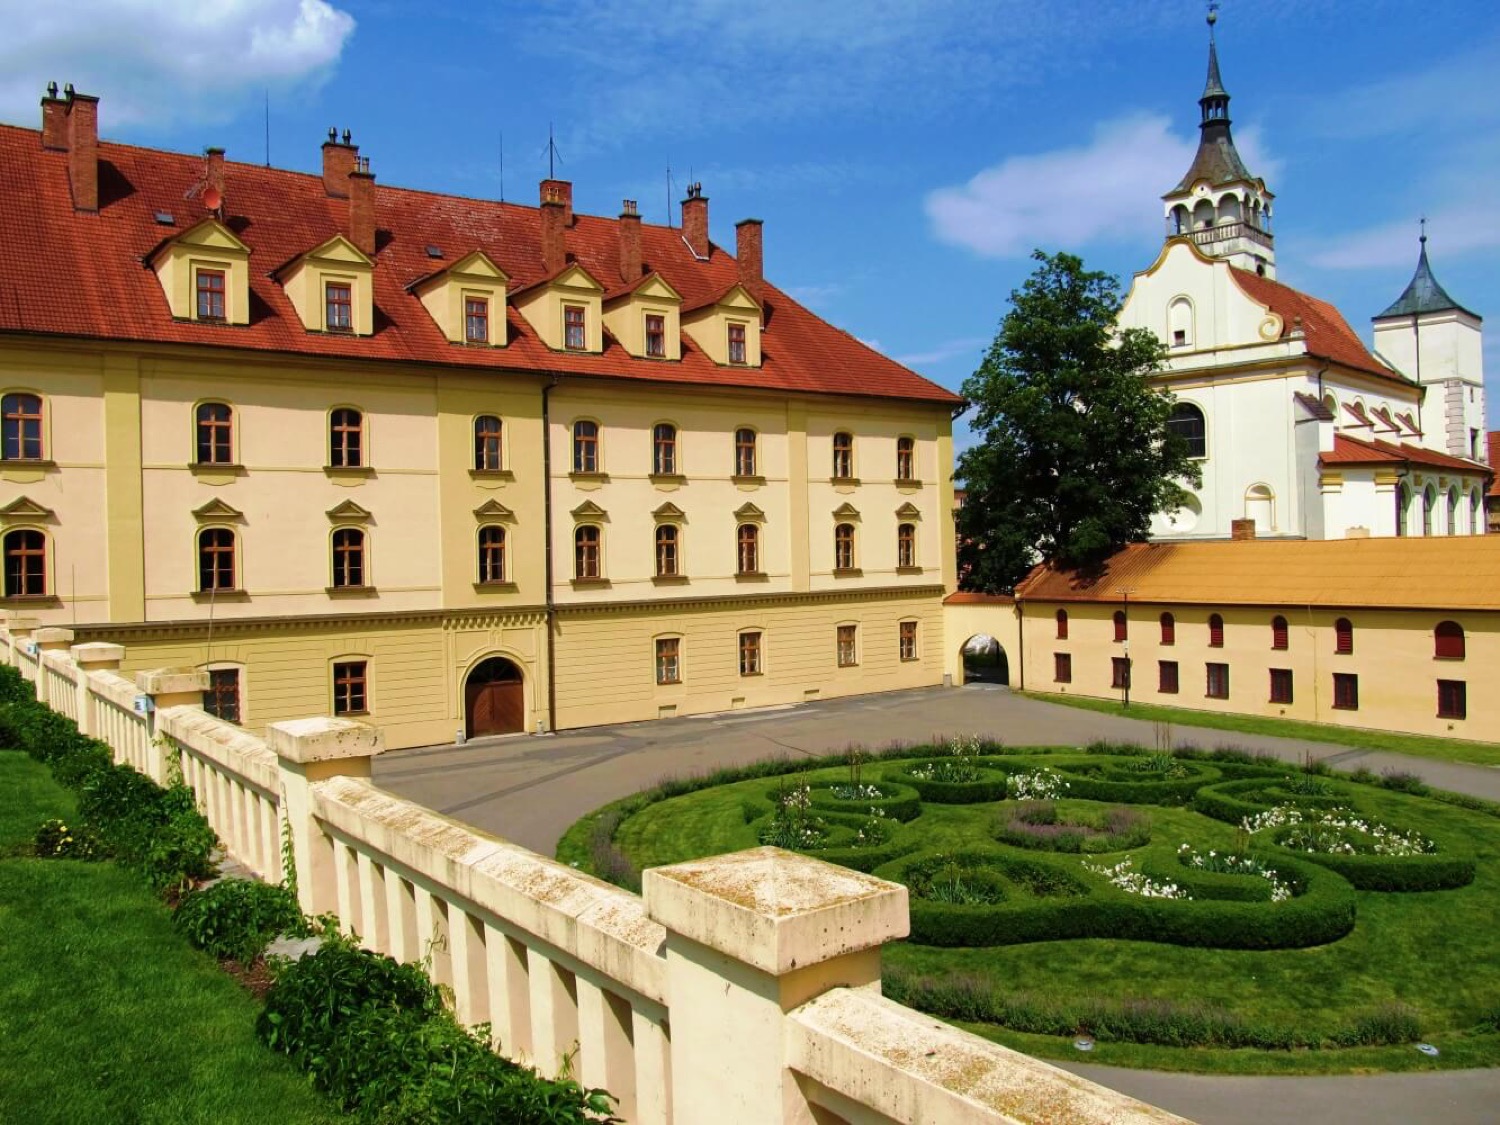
<point>742,988</point>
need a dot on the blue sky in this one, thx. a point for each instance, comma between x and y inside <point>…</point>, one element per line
<point>905,156</point>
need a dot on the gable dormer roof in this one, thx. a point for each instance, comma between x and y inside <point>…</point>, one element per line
<point>336,249</point>
<point>647,285</point>
<point>734,295</point>
<point>571,275</point>
<point>475,264</point>
<point>208,233</point>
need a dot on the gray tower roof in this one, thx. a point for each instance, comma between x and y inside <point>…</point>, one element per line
<point>1423,294</point>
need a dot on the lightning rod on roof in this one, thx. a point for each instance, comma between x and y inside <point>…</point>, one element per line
<point>553,156</point>
<point>268,126</point>
<point>502,165</point>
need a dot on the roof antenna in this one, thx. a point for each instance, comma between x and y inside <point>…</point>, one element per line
<point>268,126</point>
<point>502,165</point>
<point>553,156</point>
<point>669,195</point>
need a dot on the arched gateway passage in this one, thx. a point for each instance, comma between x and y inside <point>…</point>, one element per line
<point>494,699</point>
<point>985,661</point>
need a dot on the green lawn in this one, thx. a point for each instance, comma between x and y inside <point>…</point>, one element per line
<point>1431,951</point>
<point>106,1014</point>
<point>1420,746</point>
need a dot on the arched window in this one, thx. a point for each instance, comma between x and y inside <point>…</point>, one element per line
<point>1429,501</point>
<point>1448,641</point>
<point>1168,629</point>
<point>585,446</point>
<point>1215,631</point>
<point>214,423</point>
<point>491,554</point>
<point>748,549</point>
<point>906,544</point>
<point>1062,624</point>
<point>487,433</point>
<point>664,449</point>
<point>586,552</point>
<point>1187,422</point>
<point>906,458</point>
<point>667,536</point>
<point>1260,506</point>
<point>1180,323</point>
<point>1122,627</point>
<point>1453,511</point>
<point>348,557</point>
<point>1343,636</point>
<point>346,438</point>
<point>216,559</point>
<point>25,564</point>
<point>744,452</point>
<point>1279,637</point>
<point>22,428</point>
<point>843,547</point>
<point>843,454</point>
<point>1403,507</point>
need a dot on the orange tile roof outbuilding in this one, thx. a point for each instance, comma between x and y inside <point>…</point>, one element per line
<point>71,274</point>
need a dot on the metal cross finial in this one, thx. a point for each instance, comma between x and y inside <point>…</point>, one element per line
<point>1424,230</point>
<point>1213,16</point>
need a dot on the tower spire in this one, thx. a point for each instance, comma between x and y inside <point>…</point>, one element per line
<point>1215,100</point>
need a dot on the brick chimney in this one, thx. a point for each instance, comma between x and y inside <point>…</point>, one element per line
<point>747,250</point>
<point>562,191</point>
<point>631,266</point>
<point>213,174</point>
<point>695,220</point>
<point>339,159</point>
<point>1241,529</point>
<point>554,214</point>
<point>54,120</point>
<point>362,207</point>
<point>83,150</point>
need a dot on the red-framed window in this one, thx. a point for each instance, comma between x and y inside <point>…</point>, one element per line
<point>586,552</point>
<point>1279,632</point>
<point>1168,629</point>
<point>848,645</point>
<point>1166,677</point>
<point>1345,691</point>
<point>1062,667</point>
<point>477,320</point>
<point>668,660</point>
<point>488,431</point>
<point>585,447</point>
<point>338,298</point>
<point>906,544</point>
<point>214,425</point>
<point>843,455</point>
<point>211,295</point>
<point>656,336</point>
<point>575,338</point>
<point>22,425</point>
<point>351,686</point>
<point>843,547</point>
<point>1448,641</point>
<point>908,640</point>
<point>1343,636</point>
<point>906,458</point>
<point>737,343</point>
<point>1215,631</point>
<point>664,449</point>
<point>750,653</point>
<point>491,554</point>
<point>1119,672</point>
<point>25,564</point>
<point>1453,700</point>
<point>744,452</point>
<point>1122,626</point>
<point>667,537</point>
<point>1281,685</point>
<point>346,438</point>
<point>747,549</point>
<point>1218,681</point>
<point>348,557</point>
<point>222,699</point>
<point>216,559</point>
<point>1062,624</point>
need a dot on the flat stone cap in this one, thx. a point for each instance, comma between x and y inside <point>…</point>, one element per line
<point>97,652</point>
<point>53,635</point>
<point>324,739</point>
<point>171,681</point>
<point>23,624</point>
<point>775,909</point>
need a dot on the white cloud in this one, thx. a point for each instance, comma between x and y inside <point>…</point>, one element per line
<point>817,296</point>
<point>154,61</point>
<point>971,347</point>
<point>1461,230</point>
<point>1105,191</point>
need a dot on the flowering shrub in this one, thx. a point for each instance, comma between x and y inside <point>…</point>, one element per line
<point>1131,881</point>
<point>856,792</point>
<point>1230,863</point>
<point>55,840</point>
<point>958,768</point>
<point>793,825</point>
<point>1336,831</point>
<point>1162,763</point>
<point>873,832</point>
<point>1036,785</point>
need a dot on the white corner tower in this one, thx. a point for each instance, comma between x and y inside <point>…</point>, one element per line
<point>1224,209</point>
<point>1430,338</point>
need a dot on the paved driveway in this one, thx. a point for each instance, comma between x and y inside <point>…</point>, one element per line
<point>530,789</point>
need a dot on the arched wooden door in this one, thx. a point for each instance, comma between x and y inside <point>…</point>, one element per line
<point>494,699</point>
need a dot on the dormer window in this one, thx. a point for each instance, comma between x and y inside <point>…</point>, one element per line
<point>339,306</point>
<point>656,336</point>
<point>211,295</point>
<point>737,343</point>
<point>477,320</point>
<point>574,337</point>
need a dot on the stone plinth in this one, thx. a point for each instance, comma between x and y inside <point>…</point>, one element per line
<point>161,682</point>
<point>324,740</point>
<point>98,654</point>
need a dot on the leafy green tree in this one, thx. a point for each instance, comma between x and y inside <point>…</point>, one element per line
<point>1075,455</point>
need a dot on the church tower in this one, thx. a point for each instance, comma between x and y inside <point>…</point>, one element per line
<point>1430,338</point>
<point>1218,203</point>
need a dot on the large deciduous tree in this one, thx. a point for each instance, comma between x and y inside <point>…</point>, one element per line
<point>1074,454</point>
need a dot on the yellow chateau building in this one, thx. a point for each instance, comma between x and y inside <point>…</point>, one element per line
<point>447,464</point>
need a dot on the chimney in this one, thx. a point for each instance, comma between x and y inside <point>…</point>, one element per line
<point>554,225</point>
<point>1240,530</point>
<point>695,220</point>
<point>562,191</point>
<point>83,150</point>
<point>630,241</point>
<point>362,206</point>
<point>339,159</point>
<point>747,250</point>
<point>213,174</point>
<point>54,120</point>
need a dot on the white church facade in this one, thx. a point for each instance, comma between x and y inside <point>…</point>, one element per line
<point>1298,425</point>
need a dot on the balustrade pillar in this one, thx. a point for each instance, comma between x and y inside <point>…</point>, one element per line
<point>49,639</point>
<point>98,656</point>
<point>166,688</point>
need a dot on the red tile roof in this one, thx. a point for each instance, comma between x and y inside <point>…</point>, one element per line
<point>1356,451</point>
<point>965,597</point>
<point>82,275</point>
<point>1328,333</point>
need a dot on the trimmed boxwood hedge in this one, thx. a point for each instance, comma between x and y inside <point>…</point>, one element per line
<point>903,804</point>
<point>840,848</point>
<point>1433,872</point>
<point>989,786</point>
<point>1322,913</point>
<point>1128,787</point>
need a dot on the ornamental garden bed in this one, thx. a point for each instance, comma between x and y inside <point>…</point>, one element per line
<point>1204,911</point>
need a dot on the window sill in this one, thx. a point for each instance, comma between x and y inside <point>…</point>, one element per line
<point>750,675</point>
<point>1452,718</point>
<point>495,587</point>
<point>753,480</point>
<point>845,666</point>
<point>846,481</point>
<point>910,570</point>
<point>910,659</point>
<point>590,583</point>
<point>591,476</point>
<point>216,468</point>
<point>908,482</point>
<point>491,474</point>
<point>1216,697</point>
<point>667,478</point>
<point>668,683</point>
<point>50,601</point>
<point>205,597</point>
<point>1449,660</point>
<point>350,591</point>
<point>751,576</point>
<point>25,471</point>
<point>669,579</point>
<point>350,714</point>
<point>1336,707</point>
<point>848,572</point>
<point>349,470</point>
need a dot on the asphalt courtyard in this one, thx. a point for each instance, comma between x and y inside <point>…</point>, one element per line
<point>530,789</point>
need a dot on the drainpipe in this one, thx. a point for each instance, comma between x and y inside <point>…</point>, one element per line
<point>547,554</point>
<point>1021,638</point>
